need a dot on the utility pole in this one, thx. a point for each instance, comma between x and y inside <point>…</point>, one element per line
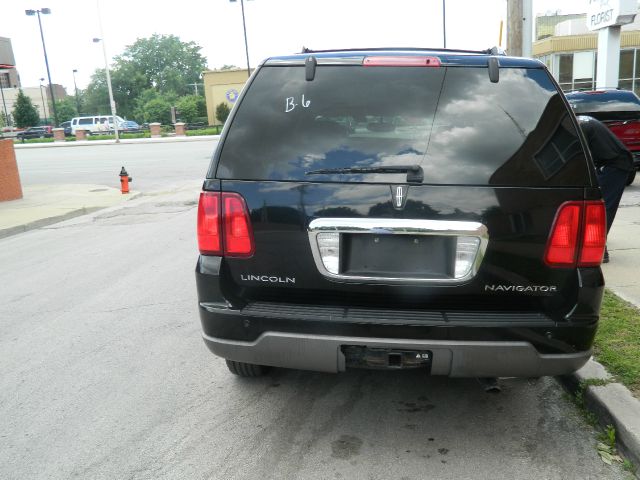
<point>514,27</point>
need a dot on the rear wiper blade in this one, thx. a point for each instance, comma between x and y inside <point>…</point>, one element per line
<point>414,172</point>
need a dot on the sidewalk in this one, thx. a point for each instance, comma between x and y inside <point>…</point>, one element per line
<point>613,404</point>
<point>43,205</point>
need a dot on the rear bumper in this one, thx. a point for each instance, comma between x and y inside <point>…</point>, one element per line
<point>463,343</point>
<point>452,358</point>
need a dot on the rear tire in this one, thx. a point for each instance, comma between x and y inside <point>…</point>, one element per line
<point>246,369</point>
<point>632,177</point>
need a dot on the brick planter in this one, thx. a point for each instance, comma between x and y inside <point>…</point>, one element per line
<point>81,134</point>
<point>10,186</point>
<point>154,128</point>
<point>58,135</point>
<point>181,129</point>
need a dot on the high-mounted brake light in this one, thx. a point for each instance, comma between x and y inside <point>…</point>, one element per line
<point>224,226</point>
<point>578,235</point>
<point>407,61</point>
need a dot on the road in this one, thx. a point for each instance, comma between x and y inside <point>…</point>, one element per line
<point>153,166</point>
<point>105,376</point>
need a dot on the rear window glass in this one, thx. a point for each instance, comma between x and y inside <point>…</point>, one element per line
<point>455,123</point>
<point>604,102</point>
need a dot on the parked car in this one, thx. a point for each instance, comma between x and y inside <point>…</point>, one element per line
<point>401,209</point>
<point>617,109</point>
<point>129,126</point>
<point>96,124</point>
<point>67,128</point>
<point>35,132</point>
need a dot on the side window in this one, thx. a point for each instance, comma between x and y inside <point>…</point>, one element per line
<point>86,121</point>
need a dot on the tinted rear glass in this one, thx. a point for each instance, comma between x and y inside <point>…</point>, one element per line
<point>604,102</point>
<point>455,123</point>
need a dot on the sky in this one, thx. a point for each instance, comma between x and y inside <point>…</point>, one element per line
<point>274,27</point>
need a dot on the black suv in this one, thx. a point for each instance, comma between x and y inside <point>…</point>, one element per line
<point>416,208</point>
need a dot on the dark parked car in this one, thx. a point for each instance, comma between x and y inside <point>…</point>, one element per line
<point>67,128</point>
<point>617,109</point>
<point>401,209</point>
<point>129,126</point>
<point>35,132</point>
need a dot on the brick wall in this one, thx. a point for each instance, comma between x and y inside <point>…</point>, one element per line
<point>10,187</point>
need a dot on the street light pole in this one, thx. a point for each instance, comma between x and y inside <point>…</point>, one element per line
<point>246,44</point>
<point>44,105</point>
<point>106,68</point>
<point>75,86</point>
<point>45,11</point>
<point>444,23</point>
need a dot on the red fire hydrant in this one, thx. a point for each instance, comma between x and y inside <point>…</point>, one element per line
<point>124,181</point>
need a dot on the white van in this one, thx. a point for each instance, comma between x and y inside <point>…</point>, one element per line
<point>95,124</point>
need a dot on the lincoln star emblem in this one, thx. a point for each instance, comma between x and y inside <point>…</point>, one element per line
<point>399,196</point>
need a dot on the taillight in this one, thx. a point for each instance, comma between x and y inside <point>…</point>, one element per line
<point>238,236</point>
<point>224,226</point>
<point>578,235</point>
<point>594,237</point>
<point>406,61</point>
<point>209,238</point>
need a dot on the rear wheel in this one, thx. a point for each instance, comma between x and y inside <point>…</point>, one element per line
<point>246,369</point>
<point>632,177</point>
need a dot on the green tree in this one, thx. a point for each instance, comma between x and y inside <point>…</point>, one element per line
<point>222,112</point>
<point>96,95</point>
<point>24,112</point>
<point>153,106</point>
<point>66,109</point>
<point>158,110</point>
<point>163,62</point>
<point>191,107</point>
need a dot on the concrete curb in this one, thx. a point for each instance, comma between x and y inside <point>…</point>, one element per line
<point>613,404</point>
<point>44,222</point>
<point>89,143</point>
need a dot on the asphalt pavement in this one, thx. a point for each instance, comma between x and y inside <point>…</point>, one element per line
<point>105,374</point>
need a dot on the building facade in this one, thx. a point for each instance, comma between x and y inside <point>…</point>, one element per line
<point>571,52</point>
<point>39,97</point>
<point>9,77</point>
<point>222,86</point>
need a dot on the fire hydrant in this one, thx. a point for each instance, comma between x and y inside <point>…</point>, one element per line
<point>124,181</point>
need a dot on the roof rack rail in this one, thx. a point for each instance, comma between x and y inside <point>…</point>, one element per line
<point>488,51</point>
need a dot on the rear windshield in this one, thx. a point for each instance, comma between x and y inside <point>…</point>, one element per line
<point>604,102</point>
<point>455,123</point>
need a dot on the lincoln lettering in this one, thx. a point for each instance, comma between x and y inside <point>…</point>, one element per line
<point>267,279</point>
<point>520,288</point>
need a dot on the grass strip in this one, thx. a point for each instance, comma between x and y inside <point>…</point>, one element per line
<point>617,344</point>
